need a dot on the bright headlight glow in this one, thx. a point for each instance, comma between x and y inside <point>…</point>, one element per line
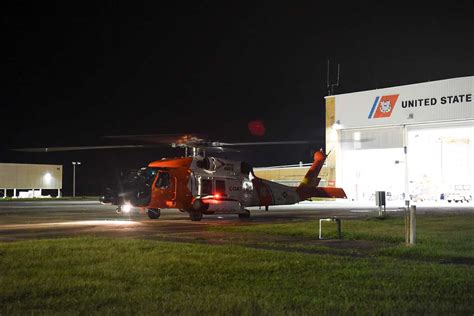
<point>126,208</point>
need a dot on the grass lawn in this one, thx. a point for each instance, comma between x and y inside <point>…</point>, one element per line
<point>102,275</point>
<point>449,238</point>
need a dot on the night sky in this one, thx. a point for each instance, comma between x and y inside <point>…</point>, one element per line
<point>74,72</point>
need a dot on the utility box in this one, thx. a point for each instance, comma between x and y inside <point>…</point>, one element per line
<point>380,198</point>
<point>381,202</point>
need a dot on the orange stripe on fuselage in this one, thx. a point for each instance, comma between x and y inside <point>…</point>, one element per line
<point>172,163</point>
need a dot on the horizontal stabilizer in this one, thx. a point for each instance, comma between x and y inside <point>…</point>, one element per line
<point>307,192</point>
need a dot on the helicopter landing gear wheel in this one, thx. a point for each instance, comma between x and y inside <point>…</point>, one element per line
<point>195,216</point>
<point>244,215</point>
<point>153,213</point>
<point>198,207</point>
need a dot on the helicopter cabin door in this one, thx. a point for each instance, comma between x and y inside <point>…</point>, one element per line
<point>164,190</point>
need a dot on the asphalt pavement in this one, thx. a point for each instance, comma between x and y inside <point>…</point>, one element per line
<point>21,220</point>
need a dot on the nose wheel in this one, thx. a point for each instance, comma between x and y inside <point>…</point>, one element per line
<point>246,214</point>
<point>195,216</point>
<point>153,213</point>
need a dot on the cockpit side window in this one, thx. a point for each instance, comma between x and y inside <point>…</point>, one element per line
<point>148,175</point>
<point>163,180</point>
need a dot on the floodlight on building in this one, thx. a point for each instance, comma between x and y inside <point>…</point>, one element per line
<point>337,125</point>
<point>47,178</point>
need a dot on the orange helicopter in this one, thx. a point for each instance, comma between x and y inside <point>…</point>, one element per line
<point>201,185</point>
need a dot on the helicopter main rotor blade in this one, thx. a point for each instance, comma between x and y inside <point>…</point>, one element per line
<point>290,142</point>
<point>199,140</point>
<point>179,141</point>
<point>163,138</point>
<point>75,148</point>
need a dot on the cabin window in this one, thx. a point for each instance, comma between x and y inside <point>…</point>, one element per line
<point>163,180</point>
<point>220,187</point>
<point>206,187</point>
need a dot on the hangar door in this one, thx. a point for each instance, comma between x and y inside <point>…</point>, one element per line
<point>441,162</point>
<point>372,160</point>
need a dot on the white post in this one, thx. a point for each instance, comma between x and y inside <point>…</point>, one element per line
<point>405,149</point>
<point>412,224</point>
<point>14,193</point>
<point>320,226</point>
<point>407,222</point>
<point>59,193</point>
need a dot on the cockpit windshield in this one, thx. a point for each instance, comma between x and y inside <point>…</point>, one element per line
<point>148,175</point>
<point>143,176</point>
<point>136,185</point>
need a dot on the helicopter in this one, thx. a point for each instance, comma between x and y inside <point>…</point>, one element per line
<point>199,184</point>
<point>203,185</point>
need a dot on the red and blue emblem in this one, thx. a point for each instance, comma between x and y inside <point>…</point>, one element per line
<point>383,106</point>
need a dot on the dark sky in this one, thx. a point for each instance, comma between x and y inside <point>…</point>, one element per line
<point>73,72</point>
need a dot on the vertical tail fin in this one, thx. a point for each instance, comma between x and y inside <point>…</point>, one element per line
<point>311,178</point>
<point>309,186</point>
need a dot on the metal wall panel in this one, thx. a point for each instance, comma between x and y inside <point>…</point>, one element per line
<point>30,176</point>
<point>436,101</point>
<point>372,138</point>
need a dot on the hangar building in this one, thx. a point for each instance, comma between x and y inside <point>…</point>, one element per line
<point>413,141</point>
<point>32,178</point>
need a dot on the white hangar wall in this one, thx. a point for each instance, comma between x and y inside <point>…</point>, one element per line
<point>30,176</point>
<point>444,100</point>
<point>415,141</point>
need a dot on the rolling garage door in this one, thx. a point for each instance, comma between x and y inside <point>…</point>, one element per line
<point>373,160</point>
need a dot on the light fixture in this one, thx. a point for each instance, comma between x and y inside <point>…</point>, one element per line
<point>47,178</point>
<point>337,125</point>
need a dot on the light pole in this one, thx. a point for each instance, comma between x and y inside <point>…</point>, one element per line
<point>74,163</point>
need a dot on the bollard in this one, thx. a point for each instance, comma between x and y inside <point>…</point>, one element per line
<point>381,202</point>
<point>407,222</point>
